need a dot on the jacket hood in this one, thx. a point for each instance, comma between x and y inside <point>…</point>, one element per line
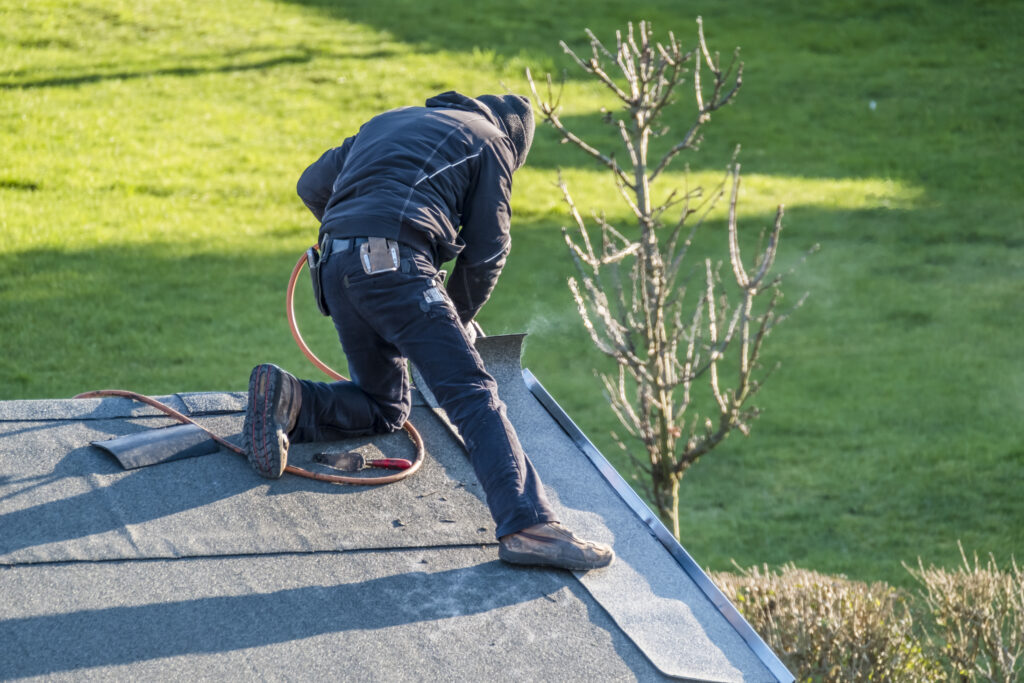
<point>513,113</point>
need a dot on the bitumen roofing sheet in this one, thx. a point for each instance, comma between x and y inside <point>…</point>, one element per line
<point>200,568</point>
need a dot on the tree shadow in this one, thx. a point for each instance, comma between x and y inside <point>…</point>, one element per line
<point>798,113</point>
<point>507,30</point>
<point>157,309</point>
<point>181,71</point>
<point>196,64</point>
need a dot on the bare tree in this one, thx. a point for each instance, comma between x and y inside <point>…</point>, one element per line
<point>664,329</point>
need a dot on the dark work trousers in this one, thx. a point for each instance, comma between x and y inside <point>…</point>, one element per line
<point>386,318</point>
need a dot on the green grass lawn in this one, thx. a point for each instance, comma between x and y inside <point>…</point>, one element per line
<point>149,224</point>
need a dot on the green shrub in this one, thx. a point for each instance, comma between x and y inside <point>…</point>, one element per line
<point>828,628</point>
<point>970,623</point>
<point>977,619</point>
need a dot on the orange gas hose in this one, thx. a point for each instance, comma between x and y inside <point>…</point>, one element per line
<point>414,435</point>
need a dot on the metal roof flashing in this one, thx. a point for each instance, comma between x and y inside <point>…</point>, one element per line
<point>201,568</point>
<point>660,531</point>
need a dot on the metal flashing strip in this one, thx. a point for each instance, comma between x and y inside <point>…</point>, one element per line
<point>156,446</point>
<point>660,531</point>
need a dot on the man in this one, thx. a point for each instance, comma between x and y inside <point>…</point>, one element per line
<point>391,201</point>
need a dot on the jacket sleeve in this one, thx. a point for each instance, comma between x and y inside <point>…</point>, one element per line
<point>316,183</point>
<point>486,217</point>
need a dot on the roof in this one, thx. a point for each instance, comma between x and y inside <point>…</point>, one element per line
<point>200,568</point>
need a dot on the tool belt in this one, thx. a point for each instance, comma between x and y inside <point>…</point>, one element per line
<point>376,254</point>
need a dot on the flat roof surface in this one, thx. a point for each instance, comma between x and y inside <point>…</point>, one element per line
<point>201,568</point>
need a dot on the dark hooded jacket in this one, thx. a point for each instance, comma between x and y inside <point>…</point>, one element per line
<point>419,174</point>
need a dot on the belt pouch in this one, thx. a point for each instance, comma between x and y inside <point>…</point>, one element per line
<point>314,261</point>
<point>379,255</point>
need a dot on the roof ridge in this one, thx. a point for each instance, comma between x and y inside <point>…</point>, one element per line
<point>84,409</point>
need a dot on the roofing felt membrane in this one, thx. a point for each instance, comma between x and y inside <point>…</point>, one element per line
<point>199,568</point>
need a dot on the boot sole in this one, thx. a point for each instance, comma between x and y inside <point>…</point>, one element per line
<point>265,443</point>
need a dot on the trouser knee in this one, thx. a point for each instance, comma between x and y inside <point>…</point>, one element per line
<point>392,416</point>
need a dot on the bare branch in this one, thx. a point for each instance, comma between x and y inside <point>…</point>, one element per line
<point>574,212</point>
<point>704,106</point>
<point>620,402</point>
<point>734,246</point>
<point>768,255</point>
<point>585,316</point>
<point>596,45</point>
<point>549,113</point>
<point>593,67</point>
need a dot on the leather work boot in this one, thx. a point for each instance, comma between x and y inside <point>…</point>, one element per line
<point>552,545</point>
<point>275,398</point>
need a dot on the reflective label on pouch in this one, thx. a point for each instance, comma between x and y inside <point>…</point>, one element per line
<point>433,295</point>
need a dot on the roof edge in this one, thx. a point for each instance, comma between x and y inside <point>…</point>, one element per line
<point>194,404</point>
<point>660,531</point>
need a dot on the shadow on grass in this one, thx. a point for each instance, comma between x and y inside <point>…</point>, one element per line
<point>506,29</point>
<point>144,316</point>
<point>190,65</point>
<point>182,71</point>
<point>157,318</point>
<point>808,104</point>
